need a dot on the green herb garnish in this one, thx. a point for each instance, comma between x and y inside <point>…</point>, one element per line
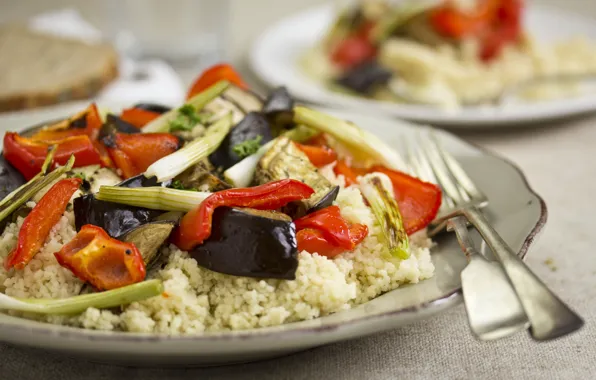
<point>187,119</point>
<point>176,184</point>
<point>248,147</point>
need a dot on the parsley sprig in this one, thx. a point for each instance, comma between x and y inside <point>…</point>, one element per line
<point>187,119</point>
<point>248,147</point>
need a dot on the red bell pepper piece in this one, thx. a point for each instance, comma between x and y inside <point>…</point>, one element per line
<point>214,74</point>
<point>418,201</point>
<point>87,122</point>
<point>104,262</point>
<point>330,222</point>
<point>28,155</point>
<point>38,224</point>
<point>314,241</point>
<point>352,51</point>
<point>133,153</point>
<point>138,116</point>
<point>195,226</point>
<point>318,155</point>
<point>350,174</point>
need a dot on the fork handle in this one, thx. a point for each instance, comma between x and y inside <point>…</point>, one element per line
<point>549,317</point>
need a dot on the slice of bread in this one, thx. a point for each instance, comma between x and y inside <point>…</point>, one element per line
<point>38,69</point>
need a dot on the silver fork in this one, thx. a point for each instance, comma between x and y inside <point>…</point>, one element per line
<point>549,317</point>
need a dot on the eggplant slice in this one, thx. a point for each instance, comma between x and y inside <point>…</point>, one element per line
<point>284,160</point>
<point>279,107</point>
<point>142,181</point>
<point>250,243</point>
<point>113,125</point>
<point>365,78</point>
<point>250,128</point>
<point>149,238</point>
<point>153,107</point>
<point>201,177</point>
<point>116,219</point>
<point>10,178</point>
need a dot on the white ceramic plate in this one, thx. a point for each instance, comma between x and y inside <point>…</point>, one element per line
<point>275,54</point>
<point>516,211</point>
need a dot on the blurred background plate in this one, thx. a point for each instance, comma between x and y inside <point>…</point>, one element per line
<point>274,58</point>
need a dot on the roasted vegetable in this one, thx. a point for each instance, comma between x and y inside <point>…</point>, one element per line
<point>114,124</point>
<point>153,107</point>
<point>155,198</point>
<point>141,181</point>
<point>285,160</point>
<point>134,154</point>
<point>197,102</point>
<point>250,243</point>
<point>77,304</point>
<point>246,100</point>
<point>138,117</point>
<point>102,261</point>
<point>318,155</point>
<point>253,128</point>
<point>23,193</point>
<point>149,238</point>
<point>365,78</point>
<point>40,221</point>
<point>241,174</point>
<point>279,107</point>
<point>195,226</point>
<point>314,241</point>
<point>213,75</point>
<point>199,177</point>
<point>116,219</point>
<point>28,155</point>
<point>418,201</point>
<point>10,178</point>
<point>378,191</point>
<point>170,166</point>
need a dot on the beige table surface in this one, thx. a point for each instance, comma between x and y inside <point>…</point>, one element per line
<point>559,161</point>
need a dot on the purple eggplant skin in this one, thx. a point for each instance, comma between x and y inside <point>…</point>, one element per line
<point>253,125</point>
<point>250,243</point>
<point>365,77</point>
<point>116,219</point>
<point>141,181</point>
<point>326,201</point>
<point>114,124</point>
<point>279,107</point>
<point>10,178</point>
<point>153,107</point>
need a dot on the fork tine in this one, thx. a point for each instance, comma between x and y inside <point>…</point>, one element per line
<point>442,173</point>
<point>457,171</point>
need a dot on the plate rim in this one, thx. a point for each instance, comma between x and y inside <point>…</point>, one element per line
<point>484,118</point>
<point>439,304</point>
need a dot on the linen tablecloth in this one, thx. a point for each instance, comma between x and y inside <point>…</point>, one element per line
<point>559,161</point>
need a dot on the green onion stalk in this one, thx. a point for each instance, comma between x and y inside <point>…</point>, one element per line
<point>378,191</point>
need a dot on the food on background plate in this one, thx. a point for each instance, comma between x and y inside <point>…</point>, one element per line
<point>444,53</point>
<point>228,212</point>
<point>40,69</point>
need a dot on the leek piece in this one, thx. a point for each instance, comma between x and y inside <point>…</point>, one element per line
<point>362,144</point>
<point>198,102</point>
<point>156,197</point>
<point>241,174</point>
<point>173,164</point>
<point>25,192</point>
<point>378,191</point>
<point>78,304</point>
